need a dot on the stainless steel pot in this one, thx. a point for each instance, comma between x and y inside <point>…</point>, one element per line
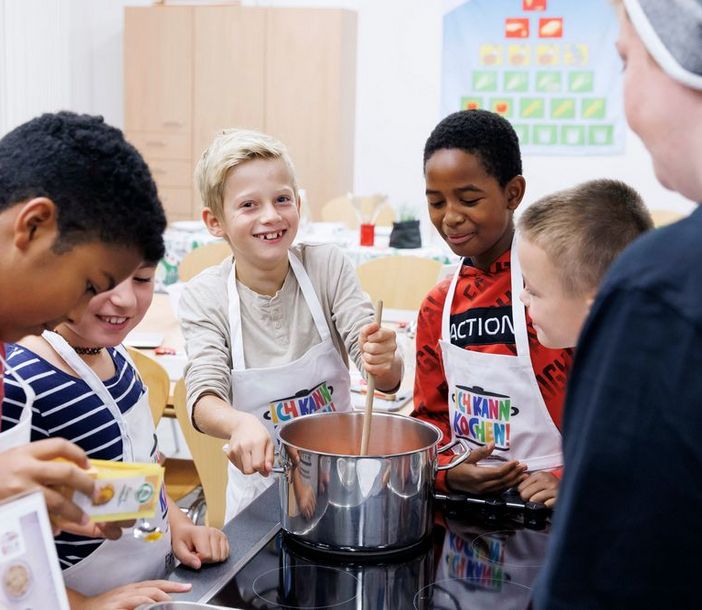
<point>335,500</point>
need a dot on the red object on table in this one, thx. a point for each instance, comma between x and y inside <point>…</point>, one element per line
<point>367,234</point>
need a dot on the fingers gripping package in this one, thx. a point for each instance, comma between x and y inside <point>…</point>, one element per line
<point>122,491</point>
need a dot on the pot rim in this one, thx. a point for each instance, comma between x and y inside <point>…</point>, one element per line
<point>415,421</point>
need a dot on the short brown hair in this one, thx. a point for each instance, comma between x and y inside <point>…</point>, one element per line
<point>231,148</point>
<point>584,228</point>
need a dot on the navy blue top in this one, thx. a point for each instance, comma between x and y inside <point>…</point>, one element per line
<point>627,530</point>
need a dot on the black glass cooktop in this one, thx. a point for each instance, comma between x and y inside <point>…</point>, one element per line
<point>475,559</point>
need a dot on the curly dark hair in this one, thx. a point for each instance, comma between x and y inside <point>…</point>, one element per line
<point>102,188</point>
<point>484,134</point>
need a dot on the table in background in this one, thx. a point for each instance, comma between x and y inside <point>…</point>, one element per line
<point>182,237</point>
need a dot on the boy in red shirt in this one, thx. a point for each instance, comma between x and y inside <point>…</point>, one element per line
<point>481,375</point>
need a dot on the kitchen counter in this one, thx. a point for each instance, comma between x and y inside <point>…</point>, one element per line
<point>246,533</point>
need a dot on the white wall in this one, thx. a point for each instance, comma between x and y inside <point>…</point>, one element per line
<point>58,54</point>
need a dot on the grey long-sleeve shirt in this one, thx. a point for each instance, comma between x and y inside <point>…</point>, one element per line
<point>276,329</point>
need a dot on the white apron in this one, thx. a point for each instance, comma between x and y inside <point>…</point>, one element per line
<point>317,381</point>
<point>127,560</point>
<point>495,397</point>
<point>21,432</point>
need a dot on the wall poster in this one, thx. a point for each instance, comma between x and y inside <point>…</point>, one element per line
<point>549,66</point>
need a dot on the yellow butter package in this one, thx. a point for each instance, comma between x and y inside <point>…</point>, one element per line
<point>123,491</point>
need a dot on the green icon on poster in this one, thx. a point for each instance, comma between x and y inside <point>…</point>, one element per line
<point>484,80</point>
<point>581,81</point>
<point>471,103</point>
<point>522,133</point>
<point>572,135</point>
<point>549,82</point>
<point>516,82</point>
<point>545,135</point>
<point>593,108</point>
<point>600,135</point>
<point>501,105</point>
<point>531,108</point>
<point>563,108</point>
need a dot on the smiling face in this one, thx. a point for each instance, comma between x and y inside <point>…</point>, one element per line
<point>111,315</point>
<point>260,216</point>
<point>557,316</point>
<point>468,207</point>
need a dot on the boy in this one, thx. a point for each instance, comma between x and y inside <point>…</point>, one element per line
<point>88,390</point>
<point>481,374</point>
<point>567,241</point>
<point>268,333</point>
<point>631,499</point>
<point>78,211</point>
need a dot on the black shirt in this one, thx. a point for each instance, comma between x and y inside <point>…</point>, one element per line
<point>628,526</point>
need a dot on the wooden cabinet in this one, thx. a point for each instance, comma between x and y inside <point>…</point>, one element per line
<point>191,71</point>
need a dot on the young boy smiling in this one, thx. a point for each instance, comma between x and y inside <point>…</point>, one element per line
<point>277,322</point>
<point>567,241</point>
<point>481,374</point>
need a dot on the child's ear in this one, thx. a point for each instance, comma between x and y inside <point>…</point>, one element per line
<point>515,190</point>
<point>36,219</point>
<point>214,226</point>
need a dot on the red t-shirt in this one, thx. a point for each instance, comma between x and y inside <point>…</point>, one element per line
<point>477,289</point>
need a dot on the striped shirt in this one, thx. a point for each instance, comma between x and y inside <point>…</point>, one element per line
<point>67,407</point>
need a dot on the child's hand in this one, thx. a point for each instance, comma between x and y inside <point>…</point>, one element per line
<point>34,466</point>
<point>379,353</point>
<point>129,596</point>
<point>250,446</point>
<point>541,487</point>
<point>483,480</point>
<point>194,545</point>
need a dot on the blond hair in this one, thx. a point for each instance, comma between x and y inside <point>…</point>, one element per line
<point>228,150</point>
<point>584,228</point>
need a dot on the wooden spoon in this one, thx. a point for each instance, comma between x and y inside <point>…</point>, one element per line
<point>368,413</point>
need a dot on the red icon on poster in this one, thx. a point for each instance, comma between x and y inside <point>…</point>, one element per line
<point>516,28</point>
<point>534,5</point>
<point>551,27</point>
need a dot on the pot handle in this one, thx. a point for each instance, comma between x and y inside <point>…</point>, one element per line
<point>276,458</point>
<point>460,458</point>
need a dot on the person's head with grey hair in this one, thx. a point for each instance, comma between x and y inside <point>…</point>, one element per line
<point>660,43</point>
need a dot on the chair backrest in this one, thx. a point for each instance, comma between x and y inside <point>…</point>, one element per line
<point>210,461</point>
<point>665,217</point>
<point>156,379</point>
<point>400,281</point>
<point>200,258</point>
<point>340,209</point>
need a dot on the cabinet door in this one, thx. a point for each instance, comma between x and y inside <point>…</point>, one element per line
<point>229,71</point>
<point>158,46</point>
<point>311,95</point>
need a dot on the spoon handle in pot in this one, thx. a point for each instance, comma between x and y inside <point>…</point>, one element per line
<point>368,414</point>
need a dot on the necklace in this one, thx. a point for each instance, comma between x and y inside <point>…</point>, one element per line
<point>83,351</point>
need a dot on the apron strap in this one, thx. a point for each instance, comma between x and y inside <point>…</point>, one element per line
<point>90,377</point>
<point>308,292</point>
<point>521,338</point>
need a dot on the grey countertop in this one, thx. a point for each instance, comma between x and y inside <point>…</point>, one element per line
<point>246,533</point>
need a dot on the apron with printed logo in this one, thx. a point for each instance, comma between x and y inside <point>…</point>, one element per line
<point>495,397</point>
<point>315,382</point>
<point>127,560</point>
<point>21,433</point>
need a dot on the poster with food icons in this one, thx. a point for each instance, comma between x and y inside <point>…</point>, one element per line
<point>548,66</point>
<point>30,575</point>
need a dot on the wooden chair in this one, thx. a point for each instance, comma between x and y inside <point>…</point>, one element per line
<point>155,377</point>
<point>665,217</point>
<point>209,459</point>
<point>201,258</point>
<point>341,210</point>
<point>400,281</point>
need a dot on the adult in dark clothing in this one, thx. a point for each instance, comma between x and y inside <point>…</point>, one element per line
<point>627,532</point>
